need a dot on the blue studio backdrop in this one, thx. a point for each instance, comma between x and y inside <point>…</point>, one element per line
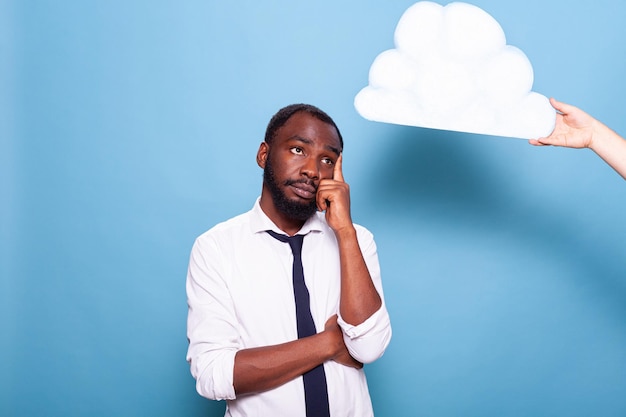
<point>130,127</point>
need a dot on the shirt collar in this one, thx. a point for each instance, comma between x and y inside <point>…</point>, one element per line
<point>259,221</point>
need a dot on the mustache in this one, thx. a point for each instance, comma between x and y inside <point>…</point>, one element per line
<point>302,181</point>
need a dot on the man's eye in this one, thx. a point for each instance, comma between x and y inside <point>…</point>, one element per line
<point>327,161</point>
<point>297,150</point>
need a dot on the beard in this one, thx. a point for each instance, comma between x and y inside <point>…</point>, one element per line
<point>292,209</point>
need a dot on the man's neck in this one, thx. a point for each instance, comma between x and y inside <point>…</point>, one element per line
<point>288,225</point>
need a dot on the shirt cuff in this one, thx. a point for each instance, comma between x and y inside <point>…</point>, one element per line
<point>368,341</point>
<point>216,383</point>
<point>355,331</point>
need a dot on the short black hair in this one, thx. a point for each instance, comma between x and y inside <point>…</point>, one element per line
<point>280,118</point>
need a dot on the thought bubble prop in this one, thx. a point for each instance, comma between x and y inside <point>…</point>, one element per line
<point>451,69</point>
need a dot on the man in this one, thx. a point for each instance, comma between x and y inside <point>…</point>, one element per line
<point>244,323</point>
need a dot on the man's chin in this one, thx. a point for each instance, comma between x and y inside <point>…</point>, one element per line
<point>297,209</point>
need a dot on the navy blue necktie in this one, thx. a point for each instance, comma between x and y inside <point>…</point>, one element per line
<point>315,391</point>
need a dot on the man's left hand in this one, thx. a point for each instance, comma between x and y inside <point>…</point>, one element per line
<point>333,196</point>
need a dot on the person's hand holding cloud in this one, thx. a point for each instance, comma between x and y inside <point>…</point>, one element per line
<point>577,129</point>
<point>573,129</point>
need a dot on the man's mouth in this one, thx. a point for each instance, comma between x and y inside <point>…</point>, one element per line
<point>303,189</point>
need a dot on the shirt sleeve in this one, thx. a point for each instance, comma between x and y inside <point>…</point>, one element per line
<point>367,341</point>
<point>211,324</point>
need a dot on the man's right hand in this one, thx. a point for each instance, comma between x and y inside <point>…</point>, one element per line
<point>342,356</point>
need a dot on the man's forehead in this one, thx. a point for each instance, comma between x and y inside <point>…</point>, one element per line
<point>307,126</point>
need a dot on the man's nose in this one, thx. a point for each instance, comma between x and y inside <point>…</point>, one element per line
<point>311,168</point>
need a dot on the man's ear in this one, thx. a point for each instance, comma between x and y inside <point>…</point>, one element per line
<point>262,153</point>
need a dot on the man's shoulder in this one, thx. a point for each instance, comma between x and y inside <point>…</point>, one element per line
<point>361,228</point>
<point>227,227</point>
<point>362,231</point>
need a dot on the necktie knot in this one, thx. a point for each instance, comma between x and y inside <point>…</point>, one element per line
<point>294,241</point>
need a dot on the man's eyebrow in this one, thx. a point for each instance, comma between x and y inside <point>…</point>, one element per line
<point>301,139</point>
<point>308,141</point>
<point>333,149</point>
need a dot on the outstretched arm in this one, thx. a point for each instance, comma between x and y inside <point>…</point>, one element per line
<point>576,129</point>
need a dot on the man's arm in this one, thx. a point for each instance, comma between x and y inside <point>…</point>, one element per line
<point>263,368</point>
<point>221,368</point>
<point>359,297</point>
<point>576,129</point>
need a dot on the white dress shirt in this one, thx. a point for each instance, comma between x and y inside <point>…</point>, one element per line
<point>240,295</point>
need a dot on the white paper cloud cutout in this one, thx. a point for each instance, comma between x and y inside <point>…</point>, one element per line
<point>452,70</point>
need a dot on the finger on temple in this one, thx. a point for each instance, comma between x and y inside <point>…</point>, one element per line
<point>337,172</point>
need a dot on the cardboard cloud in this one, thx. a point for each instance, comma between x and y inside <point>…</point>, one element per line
<point>452,70</point>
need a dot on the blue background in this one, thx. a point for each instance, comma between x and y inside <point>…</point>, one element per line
<point>130,127</point>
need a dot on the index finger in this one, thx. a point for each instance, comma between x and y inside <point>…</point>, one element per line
<point>337,173</point>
